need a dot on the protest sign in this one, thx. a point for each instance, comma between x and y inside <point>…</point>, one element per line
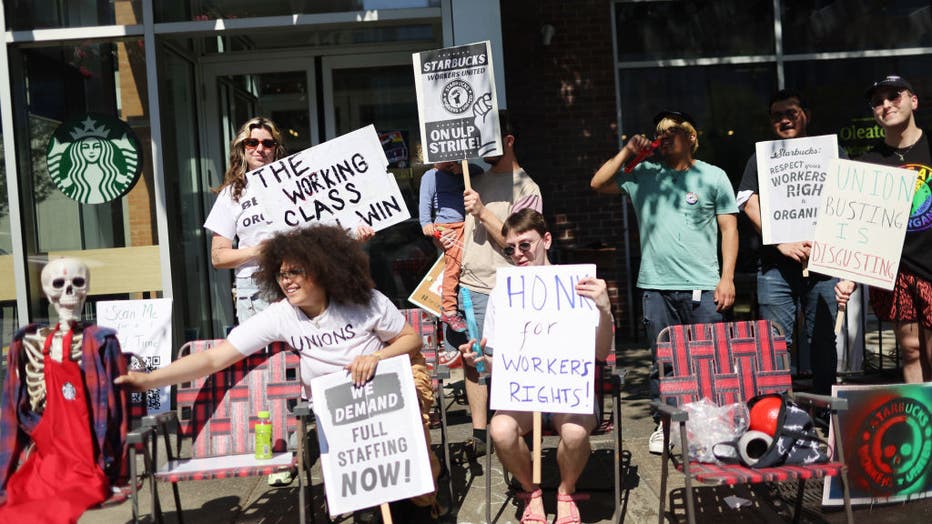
<point>372,446</point>
<point>543,343</point>
<point>342,182</point>
<point>862,222</point>
<point>429,292</point>
<point>886,433</point>
<point>144,329</point>
<point>790,176</point>
<point>456,103</point>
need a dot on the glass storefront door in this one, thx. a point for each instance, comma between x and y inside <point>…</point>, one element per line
<point>283,90</point>
<point>378,89</point>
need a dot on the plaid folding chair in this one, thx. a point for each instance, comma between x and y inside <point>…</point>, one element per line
<point>728,363</point>
<point>426,325</point>
<point>608,381</point>
<point>217,414</point>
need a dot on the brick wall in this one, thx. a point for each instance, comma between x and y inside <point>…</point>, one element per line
<point>561,99</point>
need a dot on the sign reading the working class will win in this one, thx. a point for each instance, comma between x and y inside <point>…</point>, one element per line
<point>862,222</point>
<point>790,176</point>
<point>342,182</point>
<point>886,433</point>
<point>372,446</point>
<point>543,340</point>
<point>456,102</point>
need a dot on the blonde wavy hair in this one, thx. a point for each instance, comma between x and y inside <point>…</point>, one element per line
<point>667,123</point>
<point>236,173</point>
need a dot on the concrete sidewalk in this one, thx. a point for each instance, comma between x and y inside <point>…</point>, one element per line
<point>252,500</point>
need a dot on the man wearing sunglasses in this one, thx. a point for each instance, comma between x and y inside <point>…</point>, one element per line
<point>782,290</point>
<point>681,204</point>
<point>495,194</point>
<point>893,102</point>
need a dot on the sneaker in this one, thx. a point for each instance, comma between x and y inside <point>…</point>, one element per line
<point>450,358</point>
<point>655,442</point>
<point>455,321</point>
<point>282,478</point>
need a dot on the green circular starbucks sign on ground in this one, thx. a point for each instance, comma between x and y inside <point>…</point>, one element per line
<point>94,158</point>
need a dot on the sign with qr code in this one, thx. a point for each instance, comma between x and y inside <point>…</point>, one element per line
<point>144,329</point>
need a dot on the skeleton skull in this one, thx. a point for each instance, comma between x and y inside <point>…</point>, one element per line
<point>65,282</point>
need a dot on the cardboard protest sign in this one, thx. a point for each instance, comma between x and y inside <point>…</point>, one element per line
<point>342,182</point>
<point>886,433</point>
<point>543,342</point>
<point>456,103</point>
<point>862,222</point>
<point>790,177</point>
<point>429,292</point>
<point>144,329</point>
<point>372,446</point>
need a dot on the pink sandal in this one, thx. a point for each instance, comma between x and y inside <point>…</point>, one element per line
<point>573,518</point>
<point>528,516</point>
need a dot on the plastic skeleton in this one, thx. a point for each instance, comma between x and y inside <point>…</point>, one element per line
<point>65,282</point>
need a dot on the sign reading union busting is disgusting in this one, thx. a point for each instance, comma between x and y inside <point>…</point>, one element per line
<point>862,222</point>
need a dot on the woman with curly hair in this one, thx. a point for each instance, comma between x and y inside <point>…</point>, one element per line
<point>237,215</point>
<point>326,307</point>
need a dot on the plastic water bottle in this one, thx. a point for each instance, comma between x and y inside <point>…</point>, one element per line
<point>264,436</point>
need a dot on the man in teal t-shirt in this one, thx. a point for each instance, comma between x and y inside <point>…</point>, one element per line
<point>681,205</point>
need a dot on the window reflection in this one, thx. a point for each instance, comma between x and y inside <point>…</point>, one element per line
<point>835,89</point>
<point>182,10</point>
<point>818,26</point>
<point>693,28</point>
<point>41,14</point>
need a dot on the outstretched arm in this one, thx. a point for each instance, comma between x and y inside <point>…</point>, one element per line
<point>184,369</point>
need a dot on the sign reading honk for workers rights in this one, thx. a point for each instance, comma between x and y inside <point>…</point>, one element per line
<point>543,340</point>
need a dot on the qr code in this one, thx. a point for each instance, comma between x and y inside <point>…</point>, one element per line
<point>147,364</point>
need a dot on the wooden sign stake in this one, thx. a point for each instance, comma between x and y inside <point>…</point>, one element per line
<point>386,513</point>
<point>537,446</point>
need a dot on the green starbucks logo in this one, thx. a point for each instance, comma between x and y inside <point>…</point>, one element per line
<point>94,158</point>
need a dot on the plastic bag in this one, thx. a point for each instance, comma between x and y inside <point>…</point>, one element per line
<point>709,425</point>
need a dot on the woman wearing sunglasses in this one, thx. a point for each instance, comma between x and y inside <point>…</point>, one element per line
<point>237,215</point>
<point>526,243</point>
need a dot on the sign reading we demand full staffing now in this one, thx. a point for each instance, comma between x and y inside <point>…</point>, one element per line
<point>344,181</point>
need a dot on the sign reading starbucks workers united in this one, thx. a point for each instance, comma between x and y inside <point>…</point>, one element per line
<point>94,158</point>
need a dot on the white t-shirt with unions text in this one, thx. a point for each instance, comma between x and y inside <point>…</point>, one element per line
<point>328,342</point>
<point>243,220</point>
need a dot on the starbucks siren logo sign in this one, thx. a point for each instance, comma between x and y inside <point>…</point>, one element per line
<point>94,158</point>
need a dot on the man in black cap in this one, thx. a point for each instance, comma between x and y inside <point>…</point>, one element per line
<point>909,306</point>
<point>782,287</point>
<point>681,204</point>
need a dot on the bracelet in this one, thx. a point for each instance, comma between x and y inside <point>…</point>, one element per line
<point>378,355</point>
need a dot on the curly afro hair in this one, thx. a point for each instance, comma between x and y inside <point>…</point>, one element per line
<point>329,257</point>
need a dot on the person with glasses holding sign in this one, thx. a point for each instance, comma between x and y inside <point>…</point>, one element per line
<point>782,287</point>
<point>325,306</point>
<point>682,204</point>
<point>527,240</point>
<point>894,102</point>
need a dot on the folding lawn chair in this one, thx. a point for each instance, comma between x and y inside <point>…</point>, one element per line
<point>217,415</point>
<point>728,363</point>
<point>608,381</point>
<point>427,327</point>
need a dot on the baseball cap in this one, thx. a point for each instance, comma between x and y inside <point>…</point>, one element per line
<point>892,81</point>
<point>679,116</point>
